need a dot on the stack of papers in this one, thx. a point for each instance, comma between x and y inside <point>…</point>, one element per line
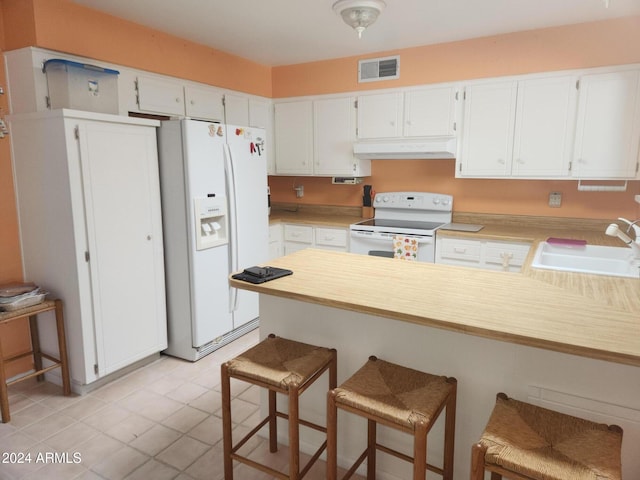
<point>20,295</point>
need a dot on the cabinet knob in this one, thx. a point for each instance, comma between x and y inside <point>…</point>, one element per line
<point>148,237</point>
<point>177,99</point>
<point>501,161</point>
<point>519,161</point>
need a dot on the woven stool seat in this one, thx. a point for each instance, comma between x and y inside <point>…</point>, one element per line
<point>398,394</point>
<point>280,362</point>
<point>281,366</point>
<point>541,444</point>
<point>399,397</point>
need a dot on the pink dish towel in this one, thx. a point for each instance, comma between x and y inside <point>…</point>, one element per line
<point>405,248</point>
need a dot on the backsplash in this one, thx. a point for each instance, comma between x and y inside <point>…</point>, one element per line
<point>512,197</point>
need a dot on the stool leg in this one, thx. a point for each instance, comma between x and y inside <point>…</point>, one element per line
<point>420,451</point>
<point>35,345</point>
<point>62,349</point>
<point>294,433</point>
<point>273,423</point>
<point>332,436</point>
<point>4,394</point>
<point>450,431</point>
<point>371,449</point>
<point>225,385</point>
<point>477,462</point>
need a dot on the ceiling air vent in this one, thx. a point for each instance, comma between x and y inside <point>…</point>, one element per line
<point>375,69</point>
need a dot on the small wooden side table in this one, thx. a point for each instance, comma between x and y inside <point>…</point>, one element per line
<point>38,355</point>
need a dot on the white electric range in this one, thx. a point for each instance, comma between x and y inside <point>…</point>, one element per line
<point>402,214</point>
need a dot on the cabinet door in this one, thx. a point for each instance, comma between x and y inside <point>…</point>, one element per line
<point>545,122</point>
<point>429,112</point>
<point>334,132</point>
<point>294,137</point>
<point>124,233</point>
<point>608,128</point>
<point>204,103</point>
<point>157,95</point>
<point>259,113</point>
<point>380,115</point>
<point>236,109</point>
<point>487,134</point>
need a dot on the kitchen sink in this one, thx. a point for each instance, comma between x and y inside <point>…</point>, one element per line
<point>594,259</point>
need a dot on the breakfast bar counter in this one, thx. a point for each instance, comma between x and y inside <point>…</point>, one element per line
<point>570,342</point>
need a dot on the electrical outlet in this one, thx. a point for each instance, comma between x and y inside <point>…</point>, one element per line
<point>555,199</point>
<point>299,191</point>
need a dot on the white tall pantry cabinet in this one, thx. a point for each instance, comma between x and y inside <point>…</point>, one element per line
<point>91,232</point>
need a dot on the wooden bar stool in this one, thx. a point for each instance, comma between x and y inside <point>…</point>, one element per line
<point>399,397</point>
<point>61,362</point>
<point>527,442</point>
<point>281,366</point>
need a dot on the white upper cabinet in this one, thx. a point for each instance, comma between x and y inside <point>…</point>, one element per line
<point>294,137</point>
<point>420,112</point>
<point>159,95</point>
<point>545,120</point>
<point>203,103</point>
<point>334,131</point>
<point>236,110</point>
<point>259,113</point>
<point>487,133</point>
<point>518,128</point>
<point>380,115</point>
<point>315,137</point>
<point>430,112</point>
<point>608,128</point>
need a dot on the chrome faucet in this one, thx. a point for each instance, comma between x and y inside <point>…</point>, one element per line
<point>613,230</point>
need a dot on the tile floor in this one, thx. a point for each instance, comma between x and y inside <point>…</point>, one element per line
<point>160,422</point>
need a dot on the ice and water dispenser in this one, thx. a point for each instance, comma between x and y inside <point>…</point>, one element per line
<point>211,221</point>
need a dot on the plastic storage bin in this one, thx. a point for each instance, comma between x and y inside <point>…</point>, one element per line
<point>80,86</point>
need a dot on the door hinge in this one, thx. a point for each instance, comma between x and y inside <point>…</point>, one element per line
<point>570,165</point>
<point>355,104</point>
<point>464,94</point>
<point>460,167</point>
<point>86,256</point>
<point>224,100</point>
<point>455,126</point>
<point>47,101</point>
<point>457,93</point>
<point>577,84</point>
<point>95,368</point>
<point>76,132</point>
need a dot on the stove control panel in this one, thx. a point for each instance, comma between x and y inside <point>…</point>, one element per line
<point>413,200</point>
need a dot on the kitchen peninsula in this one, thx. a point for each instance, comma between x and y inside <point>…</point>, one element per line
<point>549,339</point>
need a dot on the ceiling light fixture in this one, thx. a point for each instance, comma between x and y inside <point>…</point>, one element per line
<point>359,14</point>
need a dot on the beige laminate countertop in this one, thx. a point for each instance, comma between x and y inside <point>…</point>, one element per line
<point>588,315</point>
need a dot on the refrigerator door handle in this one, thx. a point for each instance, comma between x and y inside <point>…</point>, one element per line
<point>233,241</point>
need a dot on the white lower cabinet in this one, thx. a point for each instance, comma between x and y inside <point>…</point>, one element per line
<point>276,247</point>
<point>90,220</point>
<point>298,237</point>
<point>487,254</point>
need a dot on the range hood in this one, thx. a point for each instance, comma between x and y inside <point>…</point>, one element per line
<point>416,149</point>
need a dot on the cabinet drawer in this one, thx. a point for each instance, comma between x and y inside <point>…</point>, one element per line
<point>333,237</point>
<point>298,233</point>
<point>455,249</point>
<point>506,254</point>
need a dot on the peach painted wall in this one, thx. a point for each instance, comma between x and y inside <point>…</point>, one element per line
<point>578,46</point>
<point>65,26</point>
<point>15,336</point>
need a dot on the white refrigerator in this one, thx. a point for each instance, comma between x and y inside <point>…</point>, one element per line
<point>213,181</point>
